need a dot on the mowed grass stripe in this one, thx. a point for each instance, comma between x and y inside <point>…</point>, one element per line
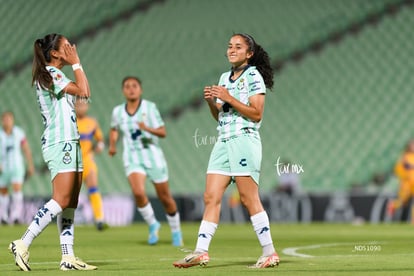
<point>123,250</point>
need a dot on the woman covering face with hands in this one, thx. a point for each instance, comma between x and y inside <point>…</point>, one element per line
<point>56,95</point>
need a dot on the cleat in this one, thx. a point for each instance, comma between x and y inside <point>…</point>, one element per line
<point>153,233</point>
<point>267,261</point>
<point>100,226</point>
<point>193,259</point>
<point>74,263</point>
<point>21,254</point>
<point>177,239</point>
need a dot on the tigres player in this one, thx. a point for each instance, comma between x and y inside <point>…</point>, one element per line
<point>91,141</point>
<point>404,170</point>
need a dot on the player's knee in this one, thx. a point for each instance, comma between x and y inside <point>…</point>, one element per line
<point>244,201</point>
<point>166,199</point>
<point>248,200</point>
<point>64,202</point>
<point>141,199</point>
<point>211,198</point>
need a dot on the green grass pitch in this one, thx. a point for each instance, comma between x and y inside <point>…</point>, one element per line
<point>304,249</point>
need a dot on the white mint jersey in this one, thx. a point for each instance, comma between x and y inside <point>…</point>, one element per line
<point>139,146</point>
<point>230,122</point>
<point>11,149</point>
<point>57,110</point>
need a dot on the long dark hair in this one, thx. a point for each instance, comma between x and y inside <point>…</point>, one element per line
<point>260,59</point>
<point>42,48</point>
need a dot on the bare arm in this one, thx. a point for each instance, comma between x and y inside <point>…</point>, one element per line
<point>28,154</point>
<point>113,138</point>
<point>210,99</point>
<point>98,136</point>
<point>254,111</point>
<point>81,85</point>
<point>160,131</point>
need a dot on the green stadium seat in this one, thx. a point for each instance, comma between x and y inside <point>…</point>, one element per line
<point>337,112</point>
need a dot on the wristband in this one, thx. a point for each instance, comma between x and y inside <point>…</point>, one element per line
<point>76,66</point>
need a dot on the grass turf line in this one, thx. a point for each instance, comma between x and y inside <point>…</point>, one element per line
<point>335,249</point>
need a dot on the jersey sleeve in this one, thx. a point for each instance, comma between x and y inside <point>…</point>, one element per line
<point>221,83</point>
<point>114,118</point>
<point>154,117</point>
<point>60,81</point>
<point>256,83</point>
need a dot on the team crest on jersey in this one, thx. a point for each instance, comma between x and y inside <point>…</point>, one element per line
<point>66,158</point>
<point>240,85</point>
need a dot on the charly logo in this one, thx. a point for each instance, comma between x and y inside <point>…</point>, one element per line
<point>287,167</point>
<point>66,158</point>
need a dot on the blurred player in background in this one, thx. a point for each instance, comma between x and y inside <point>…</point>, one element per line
<point>404,170</point>
<point>13,143</point>
<point>237,103</point>
<point>91,142</point>
<point>141,125</point>
<point>56,95</point>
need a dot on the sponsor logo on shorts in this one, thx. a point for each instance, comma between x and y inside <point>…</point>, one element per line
<point>243,162</point>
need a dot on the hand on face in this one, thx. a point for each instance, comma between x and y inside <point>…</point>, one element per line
<point>70,54</point>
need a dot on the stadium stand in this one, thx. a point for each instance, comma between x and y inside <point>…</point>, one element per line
<point>323,113</point>
<point>27,20</point>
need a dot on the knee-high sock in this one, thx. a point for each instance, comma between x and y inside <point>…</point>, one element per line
<point>261,226</point>
<point>42,219</point>
<point>95,199</point>
<point>147,214</point>
<point>174,222</point>
<point>16,210</point>
<point>4,207</point>
<point>65,222</point>
<point>205,234</point>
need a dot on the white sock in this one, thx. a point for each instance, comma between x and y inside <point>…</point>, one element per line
<point>42,219</point>
<point>65,222</point>
<point>205,234</point>
<point>4,207</point>
<point>174,222</point>
<point>261,226</point>
<point>147,214</point>
<point>16,210</point>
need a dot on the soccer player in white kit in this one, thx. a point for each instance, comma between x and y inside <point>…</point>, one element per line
<point>13,144</point>
<point>237,104</point>
<point>56,95</point>
<point>141,124</point>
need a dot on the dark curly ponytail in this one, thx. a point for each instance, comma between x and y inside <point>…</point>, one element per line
<point>260,59</point>
<point>42,48</point>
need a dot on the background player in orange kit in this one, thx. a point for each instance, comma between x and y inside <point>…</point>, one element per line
<point>404,170</point>
<point>91,141</point>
